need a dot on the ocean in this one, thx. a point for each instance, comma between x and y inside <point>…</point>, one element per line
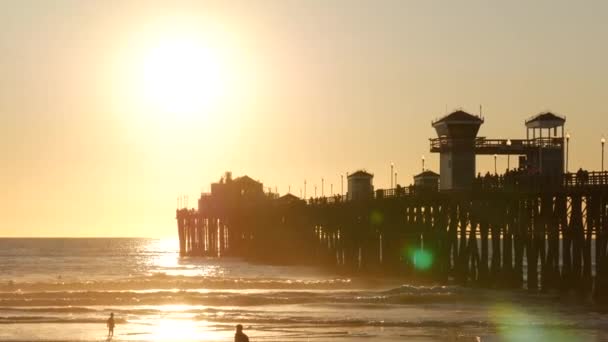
<point>65,289</point>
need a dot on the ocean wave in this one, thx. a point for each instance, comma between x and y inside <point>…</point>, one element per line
<point>265,320</point>
<point>51,319</point>
<point>404,295</point>
<point>128,310</point>
<point>272,294</point>
<point>164,281</point>
<point>316,322</point>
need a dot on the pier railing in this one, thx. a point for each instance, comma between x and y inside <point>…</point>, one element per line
<point>536,183</point>
<point>585,178</point>
<point>378,194</point>
<point>510,182</point>
<point>495,146</point>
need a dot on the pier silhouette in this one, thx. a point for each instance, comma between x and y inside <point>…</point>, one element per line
<point>536,226</point>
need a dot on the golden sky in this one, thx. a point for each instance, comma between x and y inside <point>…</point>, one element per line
<point>109,110</point>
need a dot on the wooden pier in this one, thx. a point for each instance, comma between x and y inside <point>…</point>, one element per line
<point>526,231</point>
<point>536,227</point>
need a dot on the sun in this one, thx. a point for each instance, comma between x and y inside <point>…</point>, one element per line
<point>181,75</point>
<point>176,75</point>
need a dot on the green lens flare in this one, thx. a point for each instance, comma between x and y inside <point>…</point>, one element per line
<point>516,322</point>
<point>376,218</point>
<point>422,259</point>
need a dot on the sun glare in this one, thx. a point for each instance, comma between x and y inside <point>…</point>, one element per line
<point>181,73</point>
<point>183,330</point>
<point>179,69</point>
<point>181,76</point>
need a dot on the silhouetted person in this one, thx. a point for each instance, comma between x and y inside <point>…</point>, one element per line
<point>240,336</point>
<point>579,176</point>
<point>110,325</point>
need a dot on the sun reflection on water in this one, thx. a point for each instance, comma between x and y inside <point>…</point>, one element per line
<point>183,330</point>
<point>164,259</point>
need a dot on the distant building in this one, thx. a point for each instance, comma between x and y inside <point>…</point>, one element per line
<point>241,186</point>
<point>427,180</point>
<point>248,187</point>
<point>289,199</point>
<point>360,185</point>
<point>229,190</point>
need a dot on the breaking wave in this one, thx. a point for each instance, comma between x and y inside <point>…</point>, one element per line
<point>164,281</point>
<point>222,297</point>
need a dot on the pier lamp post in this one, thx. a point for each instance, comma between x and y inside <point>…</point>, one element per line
<point>423,163</point>
<point>603,141</point>
<point>305,188</point>
<point>322,187</point>
<point>396,179</point>
<point>341,185</point>
<point>567,145</point>
<point>392,167</point>
<point>508,154</point>
<point>495,164</point>
<point>315,191</point>
<point>331,189</point>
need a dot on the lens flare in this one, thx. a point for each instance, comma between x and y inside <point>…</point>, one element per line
<point>518,323</point>
<point>376,218</point>
<point>422,259</point>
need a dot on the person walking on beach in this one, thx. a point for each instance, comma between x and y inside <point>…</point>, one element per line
<point>111,324</point>
<point>240,336</point>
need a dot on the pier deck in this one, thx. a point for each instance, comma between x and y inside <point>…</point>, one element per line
<point>515,231</point>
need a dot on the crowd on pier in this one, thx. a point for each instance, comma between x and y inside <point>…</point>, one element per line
<point>522,178</point>
<point>511,179</point>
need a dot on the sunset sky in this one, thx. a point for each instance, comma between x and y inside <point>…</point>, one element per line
<point>110,110</point>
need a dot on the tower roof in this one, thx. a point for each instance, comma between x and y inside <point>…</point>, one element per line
<point>246,179</point>
<point>459,116</point>
<point>545,120</point>
<point>427,174</point>
<point>360,173</point>
<point>289,198</point>
<point>458,124</point>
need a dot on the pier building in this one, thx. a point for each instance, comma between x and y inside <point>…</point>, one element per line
<point>427,180</point>
<point>360,185</point>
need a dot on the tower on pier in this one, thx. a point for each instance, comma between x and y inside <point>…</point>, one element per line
<point>545,134</point>
<point>456,146</point>
<point>360,185</point>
